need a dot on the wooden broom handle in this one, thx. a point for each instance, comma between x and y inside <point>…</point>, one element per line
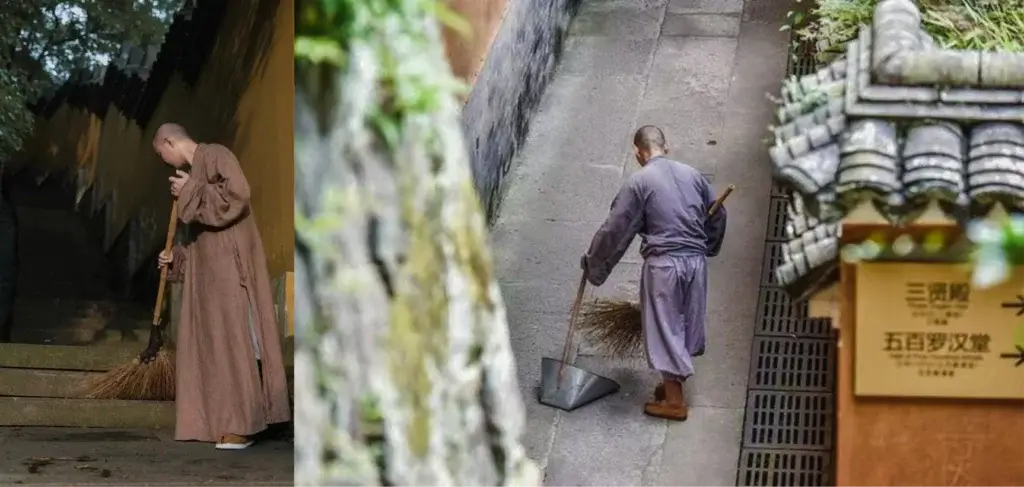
<point>171,227</point>
<point>721,199</point>
<point>572,324</point>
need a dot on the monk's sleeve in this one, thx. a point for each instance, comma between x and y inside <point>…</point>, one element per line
<point>714,227</point>
<point>218,201</point>
<point>176,272</point>
<point>613,238</point>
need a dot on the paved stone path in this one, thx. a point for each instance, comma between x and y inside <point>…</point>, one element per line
<point>100,456</point>
<point>700,70</point>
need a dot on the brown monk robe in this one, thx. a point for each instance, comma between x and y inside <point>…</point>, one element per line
<point>230,371</point>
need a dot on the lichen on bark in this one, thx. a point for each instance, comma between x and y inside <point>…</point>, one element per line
<point>404,374</point>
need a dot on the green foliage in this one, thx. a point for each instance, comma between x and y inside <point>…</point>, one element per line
<point>15,118</point>
<point>998,247</point>
<point>988,25</point>
<point>832,22</point>
<point>995,25</point>
<point>43,41</point>
<point>325,31</point>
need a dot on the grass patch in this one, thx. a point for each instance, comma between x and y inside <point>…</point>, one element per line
<point>989,25</point>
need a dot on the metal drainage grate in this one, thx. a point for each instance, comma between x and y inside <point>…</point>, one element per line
<point>792,364</point>
<point>772,260</point>
<point>777,219</point>
<point>789,420</point>
<point>788,430</point>
<point>785,467</point>
<point>780,317</point>
<point>802,60</point>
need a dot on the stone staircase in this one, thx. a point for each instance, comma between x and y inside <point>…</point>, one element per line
<point>39,386</point>
<point>70,322</point>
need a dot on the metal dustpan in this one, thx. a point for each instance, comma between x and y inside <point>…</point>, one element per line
<point>566,386</point>
<point>577,387</point>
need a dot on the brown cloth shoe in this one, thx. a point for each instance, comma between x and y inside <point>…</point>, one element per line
<point>672,406</point>
<point>659,392</point>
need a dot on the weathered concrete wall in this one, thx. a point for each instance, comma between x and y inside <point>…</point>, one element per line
<point>242,99</point>
<point>527,38</point>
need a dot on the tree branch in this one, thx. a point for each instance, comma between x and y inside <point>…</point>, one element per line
<point>425,366</point>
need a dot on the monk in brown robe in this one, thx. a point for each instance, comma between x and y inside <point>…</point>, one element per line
<point>230,371</point>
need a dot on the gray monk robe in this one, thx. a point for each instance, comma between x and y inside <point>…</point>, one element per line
<point>227,309</point>
<point>666,202</point>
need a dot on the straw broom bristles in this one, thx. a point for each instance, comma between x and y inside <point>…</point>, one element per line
<point>136,381</point>
<point>614,328</point>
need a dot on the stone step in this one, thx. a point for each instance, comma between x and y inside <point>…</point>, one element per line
<point>96,358</point>
<point>78,337</point>
<point>94,413</point>
<point>57,321</point>
<point>43,383</point>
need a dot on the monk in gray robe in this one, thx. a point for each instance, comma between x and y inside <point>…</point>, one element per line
<point>666,202</point>
<point>230,371</point>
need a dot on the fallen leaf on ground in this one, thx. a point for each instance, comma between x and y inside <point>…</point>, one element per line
<point>34,464</point>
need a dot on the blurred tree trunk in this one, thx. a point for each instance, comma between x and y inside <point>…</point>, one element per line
<point>404,374</point>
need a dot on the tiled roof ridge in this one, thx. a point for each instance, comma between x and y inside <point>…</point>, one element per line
<point>902,57</point>
<point>873,126</point>
<point>811,244</point>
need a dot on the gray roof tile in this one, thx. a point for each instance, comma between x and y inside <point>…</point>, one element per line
<point>901,123</point>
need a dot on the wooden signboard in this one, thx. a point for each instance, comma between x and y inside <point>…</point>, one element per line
<point>923,331</point>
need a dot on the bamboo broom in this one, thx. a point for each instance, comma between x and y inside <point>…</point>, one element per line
<point>614,326</point>
<point>135,380</point>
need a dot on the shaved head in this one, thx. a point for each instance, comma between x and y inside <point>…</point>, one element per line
<point>649,142</point>
<point>173,144</point>
<point>649,138</point>
<point>171,131</point>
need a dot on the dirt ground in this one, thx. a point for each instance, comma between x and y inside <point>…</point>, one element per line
<point>91,456</point>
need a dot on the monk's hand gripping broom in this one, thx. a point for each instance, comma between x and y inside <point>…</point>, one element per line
<point>151,375</point>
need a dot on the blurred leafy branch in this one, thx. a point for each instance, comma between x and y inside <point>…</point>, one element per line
<point>998,247</point>
<point>42,42</point>
<point>362,73</point>
<point>325,33</point>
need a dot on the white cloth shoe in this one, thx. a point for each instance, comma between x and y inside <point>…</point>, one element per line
<point>234,446</point>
